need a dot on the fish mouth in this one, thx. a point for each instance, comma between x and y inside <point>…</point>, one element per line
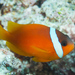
<point>72,47</point>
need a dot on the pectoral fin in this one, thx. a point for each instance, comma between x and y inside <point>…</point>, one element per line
<point>39,59</point>
<point>40,53</point>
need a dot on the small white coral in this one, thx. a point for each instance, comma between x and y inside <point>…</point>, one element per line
<point>29,2</point>
<point>2,56</point>
<point>9,2</point>
<point>58,11</point>
<point>1,1</point>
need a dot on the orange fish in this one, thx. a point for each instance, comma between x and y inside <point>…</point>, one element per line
<point>43,43</point>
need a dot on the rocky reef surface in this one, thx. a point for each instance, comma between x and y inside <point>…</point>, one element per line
<point>53,13</point>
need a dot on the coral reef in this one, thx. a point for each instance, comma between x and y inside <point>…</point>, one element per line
<point>53,13</point>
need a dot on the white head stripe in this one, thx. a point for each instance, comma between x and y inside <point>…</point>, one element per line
<point>56,43</point>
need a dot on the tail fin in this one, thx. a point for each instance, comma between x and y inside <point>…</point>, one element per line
<point>3,33</point>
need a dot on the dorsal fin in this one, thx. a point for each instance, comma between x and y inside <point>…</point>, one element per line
<point>12,26</point>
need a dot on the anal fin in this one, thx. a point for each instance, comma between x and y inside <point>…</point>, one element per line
<point>16,50</point>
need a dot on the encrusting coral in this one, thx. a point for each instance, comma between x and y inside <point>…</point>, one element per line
<point>53,13</point>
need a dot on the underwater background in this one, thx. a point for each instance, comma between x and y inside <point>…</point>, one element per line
<point>59,14</point>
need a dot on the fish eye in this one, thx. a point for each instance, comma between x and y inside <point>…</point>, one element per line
<point>64,43</point>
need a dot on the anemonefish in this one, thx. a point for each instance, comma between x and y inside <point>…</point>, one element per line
<point>42,43</point>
